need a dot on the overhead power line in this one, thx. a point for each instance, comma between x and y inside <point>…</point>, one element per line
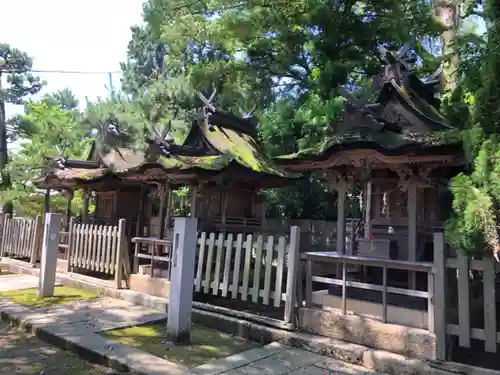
<point>72,71</point>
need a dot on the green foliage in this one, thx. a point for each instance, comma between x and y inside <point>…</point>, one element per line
<point>474,225</point>
<point>286,58</point>
<point>52,130</point>
<point>14,67</point>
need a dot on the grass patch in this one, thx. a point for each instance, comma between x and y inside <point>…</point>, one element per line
<point>206,344</point>
<point>62,294</point>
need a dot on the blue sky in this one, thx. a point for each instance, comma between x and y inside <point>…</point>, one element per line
<point>89,35</point>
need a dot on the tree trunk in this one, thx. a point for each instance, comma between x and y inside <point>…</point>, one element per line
<point>4,156</point>
<point>448,13</point>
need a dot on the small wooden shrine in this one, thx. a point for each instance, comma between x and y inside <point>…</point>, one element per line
<point>220,160</point>
<point>398,153</point>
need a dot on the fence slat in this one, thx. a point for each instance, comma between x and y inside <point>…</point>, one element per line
<point>210,257</point>
<point>109,243</point>
<point>246,269</point>
<point>227,264</point>
<point>280,260</point>
<point>114,249</point>
<point>218,261</point>
<point>237,266</point>
<point>201,256</point>
<point>268,269</point>
<point>490,323</point>
<point>256,271</point>
<point>463,301</point>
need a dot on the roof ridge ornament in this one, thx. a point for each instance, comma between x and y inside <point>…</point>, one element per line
<point>208,102</point>
<point>246,115</point>
<point>207,109</point>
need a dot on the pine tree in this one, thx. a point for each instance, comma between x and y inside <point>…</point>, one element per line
<point>473,227</point>
<point>15,67</point>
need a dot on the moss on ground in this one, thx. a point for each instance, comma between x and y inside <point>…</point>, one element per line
<point>23,354</point>
<point>206,344</point>
<point>62,294</point>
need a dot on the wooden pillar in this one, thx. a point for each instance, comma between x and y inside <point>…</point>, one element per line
<point>170,199</point>
<point>85,213</point>
<point>192,212</point>
<point>68,211</point>
<point>163,208</point>
<point>263,207</point>
<point>224,210</point>
<point>342,191</point>
<point>46,203</point>
<point>139,228</point>
<point>368,210</point>
<point>412,228</point>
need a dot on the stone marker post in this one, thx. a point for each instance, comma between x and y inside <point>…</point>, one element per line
<point>48,264</point>
<point>182,280</point>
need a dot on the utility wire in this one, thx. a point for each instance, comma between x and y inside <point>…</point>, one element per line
<point>71,71</point>
<point>60,71</point>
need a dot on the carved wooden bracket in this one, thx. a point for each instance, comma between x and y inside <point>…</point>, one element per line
<point>421,177</point>
<point>336,178</point>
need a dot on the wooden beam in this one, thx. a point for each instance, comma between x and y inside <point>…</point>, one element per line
<point>170,199</point>
<point>68,212</point>
<point>412,228</point>
<point>368,209</point>
<point>46,206</point>
<point>194,192</point>
<point>342,191</point>
<point>140,217</point>
<point>85,213</point>
<point>224,209</point>
<point>163,210</point>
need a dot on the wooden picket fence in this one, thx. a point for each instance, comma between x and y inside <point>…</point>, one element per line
<point>257,268</point>
<point>99,248</point>
<point>468,326</point>
<point>21,238</point>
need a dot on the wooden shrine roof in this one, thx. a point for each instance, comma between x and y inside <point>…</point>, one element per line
<point>219,148</point>
<point>403,125</point>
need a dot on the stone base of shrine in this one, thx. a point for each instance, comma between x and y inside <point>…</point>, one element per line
<point>153,286</point>
<point>404,316</point>
<point>399,339</point>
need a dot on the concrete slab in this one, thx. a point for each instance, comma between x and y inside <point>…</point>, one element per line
<point>18,282</point>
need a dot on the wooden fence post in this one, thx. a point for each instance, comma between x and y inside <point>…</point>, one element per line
<point>440,296</point>
<point>70,243</point>
<point>4,234</point>
<point>293,265</point>
<point>120,253</point>
<point>36,244</point>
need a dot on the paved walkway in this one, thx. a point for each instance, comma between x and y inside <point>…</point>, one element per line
<point>23,354</point>
<point>79,323</point>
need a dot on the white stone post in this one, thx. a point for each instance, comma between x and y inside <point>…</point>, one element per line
<point>48,265</point>
<point>182,280</point>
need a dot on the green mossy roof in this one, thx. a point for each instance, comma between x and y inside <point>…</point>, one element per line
<point>420,105</point>
<point>241,148</point>
<point>440,133</point>
<point>387,140</point>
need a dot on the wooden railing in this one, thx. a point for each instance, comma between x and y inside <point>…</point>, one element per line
<point>261,269</point>
<point>153,249</point>
<point>99,248</point>
<point>486,271</point>
<point>345,261</point>
<point>21,238</point>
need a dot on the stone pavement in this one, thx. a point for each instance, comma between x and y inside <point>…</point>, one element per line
<point>18,282</point>
<point>24,354</point>
<point>76,325</point>
<point>278,359</point>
